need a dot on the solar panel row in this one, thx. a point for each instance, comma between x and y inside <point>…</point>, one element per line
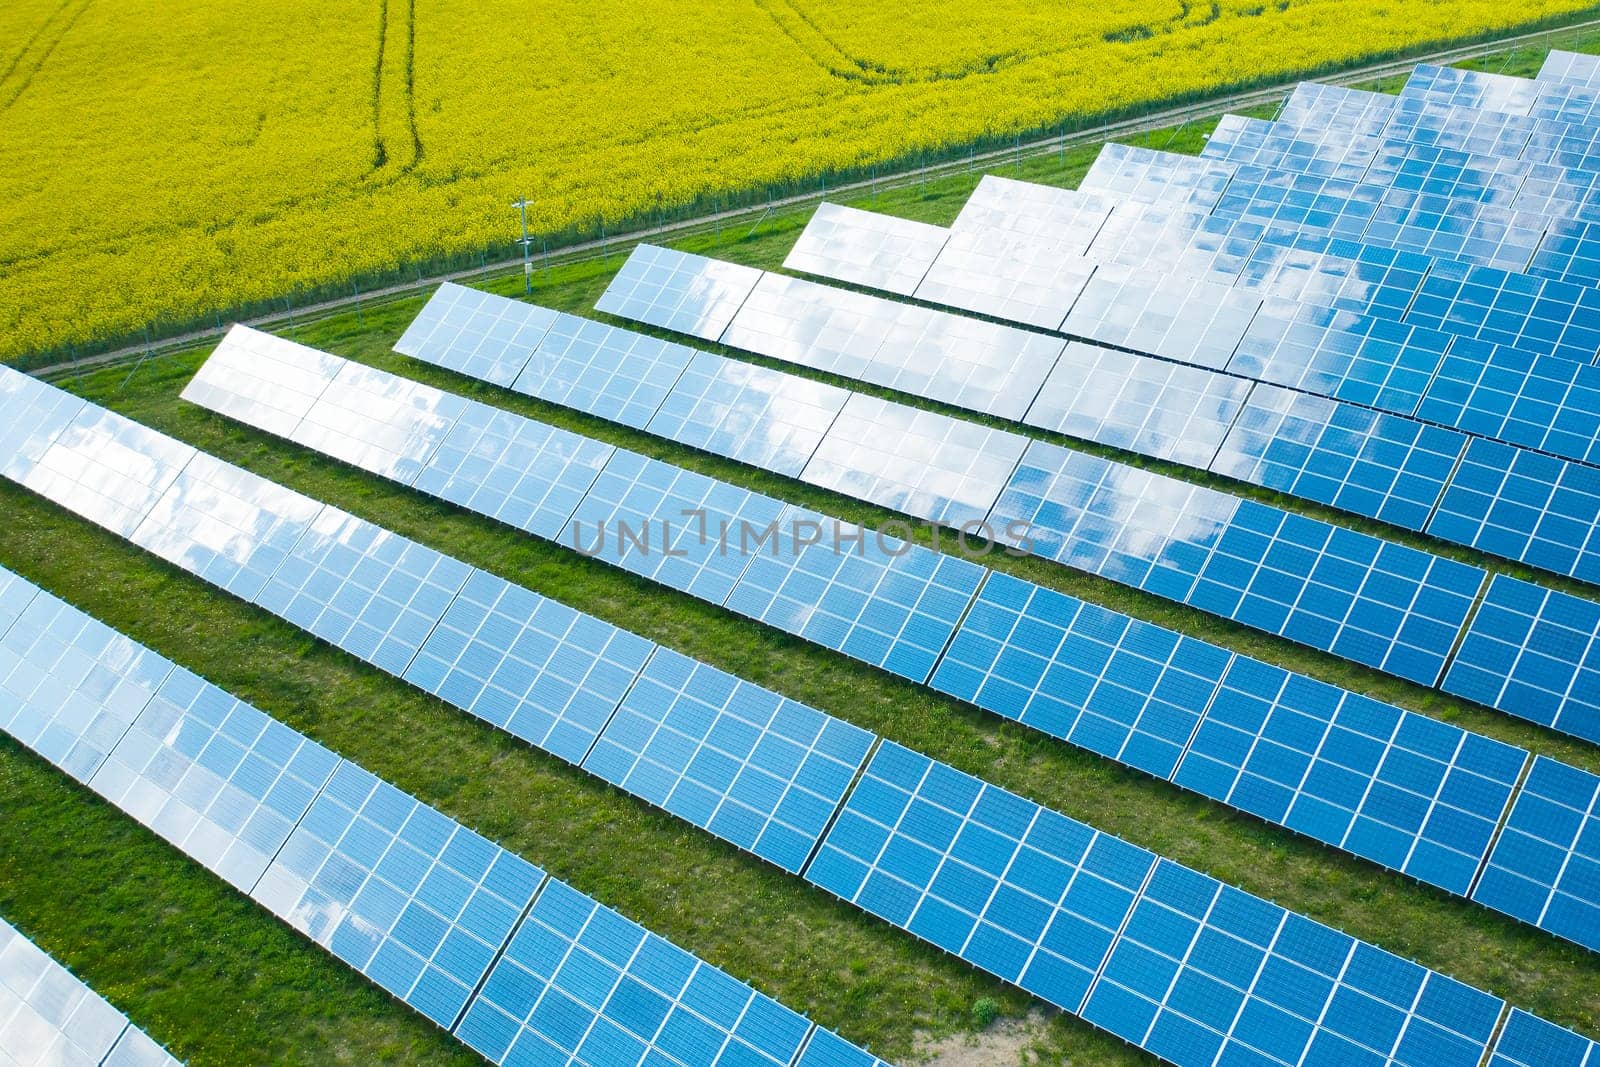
<point>1128,690</point>
<point>1441,1018</point>
<point>520,967</point>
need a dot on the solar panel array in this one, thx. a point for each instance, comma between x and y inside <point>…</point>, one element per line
<point>458,928</point>
<point>47,1016</point>
<point>961,838</point>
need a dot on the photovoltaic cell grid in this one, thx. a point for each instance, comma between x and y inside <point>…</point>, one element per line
<point>596,368</point>
<point>482,335</point>
<point>1063,216</point>
<point>1173,317</point>
<point>866,248</point>
<point>1537,315</point>
<point>1012,276</point>
<point>1534,653</point>
<point>49,1017</point>
<point>675,290</point>
<point>1545,867</point>
<point>1133,174</point>
<point>1528,1041</point>
<point>276,381</point>
<point>1369,600</point>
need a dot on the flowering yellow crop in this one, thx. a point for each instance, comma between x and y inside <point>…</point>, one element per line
<point>161,160</point>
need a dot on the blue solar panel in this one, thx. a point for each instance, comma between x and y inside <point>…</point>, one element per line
<point>1525,506</point>
<point>1536,315</point>
<point>474,333</point>
<point>1308,203</point>
<point>526,474</point>
<point>537,669</point>
<point>408,897</point>
<point>1372,601</point>
<point>690,532</point>
<point>1008,886</point>
<point>579,984</point>
<point>1570,251</point>
<point>1336,272</point>
<point>1205,973</point>
<point>1465,230</point>
<point>1566,102</point>
<point>1178,240</point>
<point>1352,458</point>
<point>364,589</point>
<point>1159,409</point>
<point>687,293</point>
<point>1164,315</point>
<point>1408,792</point>
<point>1469,89</point>
<point>1529,1041</point>
<point>754,768</point>
<point>1329,153</point>
<point>603,370</point>
<point>827,1049</point>
<point>1437,122</point>
<point>1448,173</point>
<point>1123,688</point>
<point>762,417</point>
<point>873,597</point>
<point>1533,653</point>
<point>1545,868</point>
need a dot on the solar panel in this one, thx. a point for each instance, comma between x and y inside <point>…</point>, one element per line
<point>1309,203</point>
<point>1369,600</point>
<point>1570,250</point>
<point>1143,175</point>
<point>1325,152</point>
<point>1414,794</point>
<point>1063,216</point>
<point>1015,889</point>
<point>1439,226</point>
<point>1448,173</point>
<point>580,984</point>
<point>49,1017</point>
<point>1348,457</point>
<point>920,463</point>
<point>1469,89</point>
<point>220,780</point>
<point>1206,973</point>
<point>758,416</point>
<point>678,291</point>
<point>685,530</point>
<point>1339,108</point>
<point>866,248</point>
<point>138,1049</point>
<point>1120,687</point>
<point>1012,276</point>
<point>475,333</point>
<point>1528,1041</point>
<point>1534,314</point>
<point>1533,653</point>
<point>827,1049</point>
<point>1484,133</point>
<point>364,589</point>
<point>603,370</point>
<point>37,413</point>
<point>533,667</point>
<point>107,469</point>
<point>379,421</point>
<point>1566,102</point>
<point>974,364</point>
<point>1545,868</point>
<point>1173,317</point>
<point>1176,240</point>
<point>400,892</point>
<point>871,596</point>
<point>276,382</point>
<point>1524,506</point>
<point>230,527</point>
<point>1576,68</point>
<point>1335,272</point>
<point>1158,409</point>
<point>72,685</point>
<point>753,767</point>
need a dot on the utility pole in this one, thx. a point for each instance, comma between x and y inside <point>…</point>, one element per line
<point>521,204</point>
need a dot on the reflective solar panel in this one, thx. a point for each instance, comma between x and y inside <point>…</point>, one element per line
<point>581,985</point>
<point>1348,457</point>
<point>1326,152</point>
<point>1437,122</point>
<point>871,596</point>
<point>1439,226</point>
<point>1528,1041</point>
<point>920,463</point>
<point>1136,174</point>
<point>16,593</point>
<point>1154,408</point>
<point>274,380</point>
<point>1012,276</point>
<point>1172,317</point>
<point>679,291</point>
<point>603,370</point>
<point>755,768</point>
<point>1524,506</point>
<point>230,527</point>
<point>107,469</point>
<point>36,415</point>
<point>220,780</point>
<point>138,1049</point>
<point>1470,89</point>
<point>1533,653</point>
<point>1545,868</point>
<point>758,416</point>
<point>1536,315</point>
<point>1310,203</point>
<point>1570,250</point>
<point>48,1017</point>
<point>537,669</point>
<point>1444,172</point>
<point>866,248</point>
<point>1411,793</point>
<point>1576,68</point>
<point>1337,107</point>
<point>1369,600</point>
<point>70,686</point>
<point>402,893</point>
<point>974,364</point>
<point>1015,889</point>
<point>475,333</point>
<point>1121,687</point>
<point>685,530</point>
<point>1206,973</point>
<point>1335,272</point>
<point>379,421</point>
<point>1064,216</point>
<point>1176,239</point>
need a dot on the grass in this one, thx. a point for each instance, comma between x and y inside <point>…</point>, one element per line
<point>222,982</point>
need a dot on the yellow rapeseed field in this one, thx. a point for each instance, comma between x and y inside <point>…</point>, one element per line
<point>162,160</point>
